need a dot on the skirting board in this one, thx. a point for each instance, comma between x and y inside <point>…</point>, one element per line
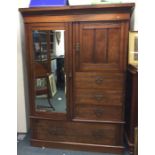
<point>78,146</point>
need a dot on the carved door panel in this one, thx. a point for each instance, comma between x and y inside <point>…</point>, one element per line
<point>99,47</point>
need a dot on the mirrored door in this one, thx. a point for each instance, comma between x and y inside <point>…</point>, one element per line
<point>50,70</point>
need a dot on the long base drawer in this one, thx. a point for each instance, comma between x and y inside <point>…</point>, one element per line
<point>79,132</point>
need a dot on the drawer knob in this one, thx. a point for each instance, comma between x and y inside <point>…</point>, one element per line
<point>99,80</point>
<point>98,134</point>
<point>56,131</point>
<point>98,112</point>
<point>98,97</point>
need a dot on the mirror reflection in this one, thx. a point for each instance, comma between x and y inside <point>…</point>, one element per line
<point>50,74</point>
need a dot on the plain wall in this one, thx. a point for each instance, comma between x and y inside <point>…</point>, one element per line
<point>22,83</point>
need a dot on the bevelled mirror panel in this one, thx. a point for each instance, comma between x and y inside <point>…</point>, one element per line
<point>50,73</point>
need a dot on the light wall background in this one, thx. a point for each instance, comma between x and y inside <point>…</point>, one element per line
<point>22,83</point>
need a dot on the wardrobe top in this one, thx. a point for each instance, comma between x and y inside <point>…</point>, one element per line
<point>119,7</point>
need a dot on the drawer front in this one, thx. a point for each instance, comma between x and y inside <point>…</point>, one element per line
<point>91,133</point>
<point>99,80</point>
<point>105,113</point>
<point>99,97</point>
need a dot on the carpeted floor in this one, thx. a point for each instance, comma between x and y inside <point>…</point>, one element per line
<point>58,102</point>
<point>24,148</point>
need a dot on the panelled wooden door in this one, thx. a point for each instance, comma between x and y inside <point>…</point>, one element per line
<point>99,69</point>
<point>99,46</point>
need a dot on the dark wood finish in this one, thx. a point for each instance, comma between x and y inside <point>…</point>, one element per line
<point>76,18</point>
<point>42,69</point>
<point>102,42</point>
<point>92,36</point>
<point>131,107</point>
<point>99,80</point>
<point>98,97</point>
<point>105,113</point>
<point>96,40</point>
<point>124,7</point>
<point>96,133</point>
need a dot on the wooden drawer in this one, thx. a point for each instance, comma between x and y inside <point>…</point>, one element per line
<point>99,80</point>
<point>91,133</point>
<point>106,113</point>
<point>99,97</point>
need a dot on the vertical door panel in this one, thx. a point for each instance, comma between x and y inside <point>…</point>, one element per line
<point>113,45</point>
<point>100,39</point>
<point>88,41</point>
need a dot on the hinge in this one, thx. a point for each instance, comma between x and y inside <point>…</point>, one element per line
<point>70,75</point>
<point>77,47</point>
